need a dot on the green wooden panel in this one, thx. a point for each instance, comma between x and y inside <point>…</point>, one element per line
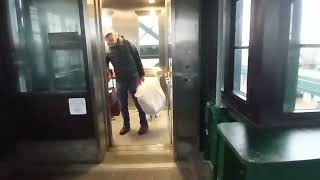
<point>251,153</point>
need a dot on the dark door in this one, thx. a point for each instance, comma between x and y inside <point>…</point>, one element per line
<point>52,57</point>
<point>6,124</point>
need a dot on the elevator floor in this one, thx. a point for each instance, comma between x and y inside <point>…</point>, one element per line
<point>158,130</point>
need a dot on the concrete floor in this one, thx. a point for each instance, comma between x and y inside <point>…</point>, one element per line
<point>153,164</point>
<point>158,130</point>
<point>106,173</point>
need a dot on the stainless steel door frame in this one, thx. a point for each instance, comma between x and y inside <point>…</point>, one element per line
<point>108,118</point>
<point>164,59</point>
<point>95,59</point>
<point>186,79</point>
<point>184,50</point>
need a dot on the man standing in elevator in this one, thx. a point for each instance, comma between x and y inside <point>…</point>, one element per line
<point>129,74</point>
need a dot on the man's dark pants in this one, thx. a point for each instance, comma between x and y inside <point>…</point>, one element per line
<point>123,88</point>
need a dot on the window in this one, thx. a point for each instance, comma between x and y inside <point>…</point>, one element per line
<point>273,64</point>
<point>241,47</point>
<point>149,40</point>
<point>302,91</point>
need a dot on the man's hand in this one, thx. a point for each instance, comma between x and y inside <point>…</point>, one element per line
<point>112,74</point>
<point>141,79</point>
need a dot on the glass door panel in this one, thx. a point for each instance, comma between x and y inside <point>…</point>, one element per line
<point>48,55</point>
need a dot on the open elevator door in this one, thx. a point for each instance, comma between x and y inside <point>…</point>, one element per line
<point>57,58</point>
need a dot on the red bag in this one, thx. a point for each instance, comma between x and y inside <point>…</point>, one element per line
<point>114,103</point>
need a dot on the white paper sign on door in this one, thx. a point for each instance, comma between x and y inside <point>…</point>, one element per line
<point>77,106</point>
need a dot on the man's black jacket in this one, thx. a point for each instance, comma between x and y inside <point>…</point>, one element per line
<point>125,60</point>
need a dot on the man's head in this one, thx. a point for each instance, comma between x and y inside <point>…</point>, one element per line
<point>111,38</point>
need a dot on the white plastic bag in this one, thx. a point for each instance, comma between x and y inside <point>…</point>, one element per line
<point>150,96</point>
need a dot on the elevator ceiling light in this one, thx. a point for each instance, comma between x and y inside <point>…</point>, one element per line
<point>152,1</point>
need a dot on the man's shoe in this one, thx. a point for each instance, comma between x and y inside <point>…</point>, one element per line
<point>143,130</point>
<point>124,130</point>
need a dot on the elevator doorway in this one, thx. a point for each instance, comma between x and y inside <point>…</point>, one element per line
<point>147,28</point>
<point>58,71</point>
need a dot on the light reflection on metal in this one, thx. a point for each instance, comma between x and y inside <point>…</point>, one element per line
<point>90,2</point>
<point>20,4</point>
<point>152,1</point>
<point>106,15</point>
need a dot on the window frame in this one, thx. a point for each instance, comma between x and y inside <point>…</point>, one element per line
<point>267,67</point>
<point>230,98</point>
<point>158,33</point>
<point>304,116</point>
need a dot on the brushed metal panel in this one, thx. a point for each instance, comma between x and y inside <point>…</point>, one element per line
<point>95,59</point>
<point>186,90</point>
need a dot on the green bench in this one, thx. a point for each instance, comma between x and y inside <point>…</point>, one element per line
<point>248,153</point>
